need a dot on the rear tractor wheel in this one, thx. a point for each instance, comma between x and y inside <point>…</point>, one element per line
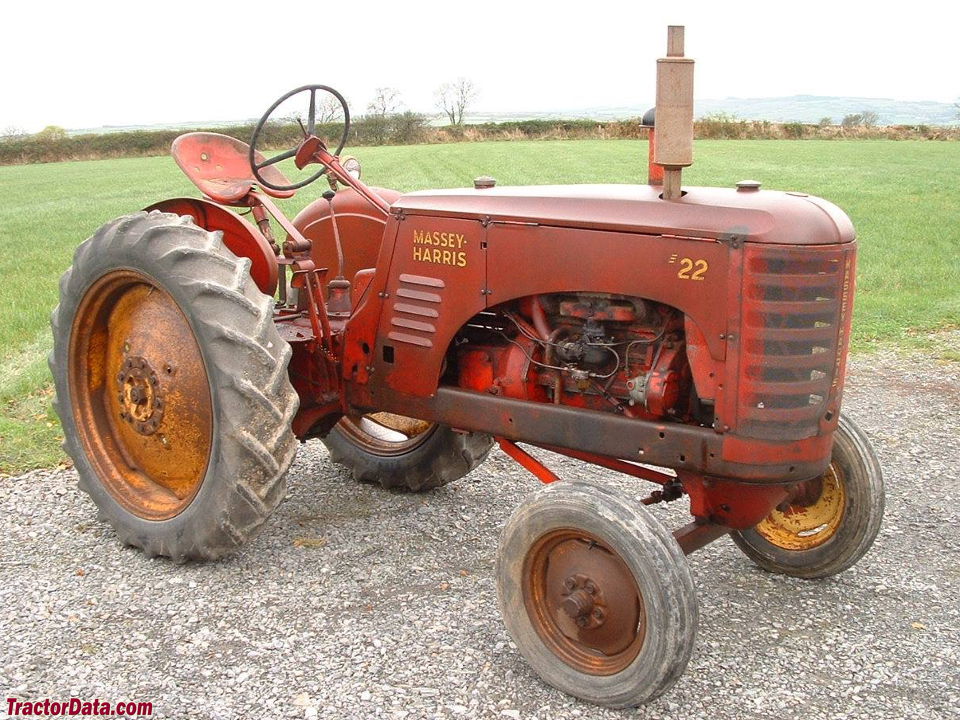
<point>833,521</point>
<point>596,594</point>
<point>405,453</point>
<point>172,387</point>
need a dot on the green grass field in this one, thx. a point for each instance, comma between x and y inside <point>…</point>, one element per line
<point>903,197</point>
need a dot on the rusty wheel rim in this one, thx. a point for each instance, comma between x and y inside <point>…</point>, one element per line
<point>811,517</point>
<point>140,395</point>
<point>584,602</point>
<point>387,434</point>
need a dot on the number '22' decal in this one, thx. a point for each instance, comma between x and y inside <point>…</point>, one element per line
<point>692,269</point>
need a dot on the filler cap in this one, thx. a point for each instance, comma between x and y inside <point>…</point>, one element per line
<point>484,182</point>
<point>748,186</point>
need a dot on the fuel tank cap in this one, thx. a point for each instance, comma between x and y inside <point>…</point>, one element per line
<point>748,186</point>
<point>483,182</point>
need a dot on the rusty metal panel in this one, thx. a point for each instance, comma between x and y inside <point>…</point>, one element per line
<point>436,282</point>
<point>765,216</point>
<point>689,274</point>
<point>239,234</point>
<point>682,447</point>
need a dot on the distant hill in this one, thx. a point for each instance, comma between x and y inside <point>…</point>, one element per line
<point>811,108</point>
<point>797,108</point>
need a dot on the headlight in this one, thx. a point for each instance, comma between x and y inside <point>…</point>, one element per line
<point>352,166</point>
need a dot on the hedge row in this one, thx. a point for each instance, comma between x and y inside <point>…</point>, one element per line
<point>411,128</point>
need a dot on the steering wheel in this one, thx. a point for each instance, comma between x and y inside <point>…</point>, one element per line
<point>257,163</point>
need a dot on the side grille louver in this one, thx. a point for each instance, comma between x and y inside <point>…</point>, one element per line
<point>792,335</point>
<point>417,311</point>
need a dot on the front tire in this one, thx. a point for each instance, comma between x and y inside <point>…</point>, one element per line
<point>833,522</point>
<point>596,594</point>
<point>172,387</point>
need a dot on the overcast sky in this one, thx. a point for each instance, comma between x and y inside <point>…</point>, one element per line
<point>88,64</point>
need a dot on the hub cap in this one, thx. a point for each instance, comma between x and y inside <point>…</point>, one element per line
<point>811,517</point>
<point>140,395</point>
<point>583,601</point>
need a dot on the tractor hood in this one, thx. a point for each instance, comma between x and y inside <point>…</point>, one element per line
<point>762,216</point>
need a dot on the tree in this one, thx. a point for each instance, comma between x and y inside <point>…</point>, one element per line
<point>329,109</point>
<point>825,122</point>
<point>864,118</point>
<point>851,121</point>
<point>51,132</point>
<point>386,101</point>
<point>377,125</point>
<point>12,132</point>
<point>454,98</point>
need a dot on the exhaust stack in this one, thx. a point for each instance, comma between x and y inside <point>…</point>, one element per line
<point>674,113</point>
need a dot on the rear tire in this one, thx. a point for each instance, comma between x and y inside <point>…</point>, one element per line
<point>434,456</point>
<point>828,534</point>
<point>179,431</point>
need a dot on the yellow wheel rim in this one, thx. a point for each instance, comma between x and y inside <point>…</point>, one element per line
<point>812,517</point>
<point>140,395</point>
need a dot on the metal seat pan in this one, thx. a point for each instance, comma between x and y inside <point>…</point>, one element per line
<point>220,166</point>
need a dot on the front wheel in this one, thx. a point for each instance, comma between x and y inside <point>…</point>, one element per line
<point>833,520</point>
<point>596,594</point>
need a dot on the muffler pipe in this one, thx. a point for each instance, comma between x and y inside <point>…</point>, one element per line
<point>673,149</point>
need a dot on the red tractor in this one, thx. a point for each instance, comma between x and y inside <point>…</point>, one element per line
<point>692,337</point>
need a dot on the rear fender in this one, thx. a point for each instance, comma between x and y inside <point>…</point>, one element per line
<point>239,235</point>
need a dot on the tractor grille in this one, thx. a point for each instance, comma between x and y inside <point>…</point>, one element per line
<point>796,309</point>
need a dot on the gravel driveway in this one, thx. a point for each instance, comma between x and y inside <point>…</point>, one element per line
<point>359,603</point>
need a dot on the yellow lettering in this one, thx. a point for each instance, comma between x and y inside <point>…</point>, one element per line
<point>691,269</point>
<point>701,268</point>
<point>439,239</point>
